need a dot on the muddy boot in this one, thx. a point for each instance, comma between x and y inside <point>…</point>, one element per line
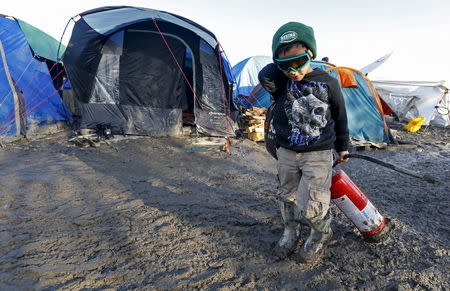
<point>288,241</point>
<point>314,247</point>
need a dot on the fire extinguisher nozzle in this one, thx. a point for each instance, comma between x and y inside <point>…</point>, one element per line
<point>384,233</point>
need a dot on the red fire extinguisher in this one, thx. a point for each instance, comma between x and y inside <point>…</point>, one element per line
<point>357,207</point>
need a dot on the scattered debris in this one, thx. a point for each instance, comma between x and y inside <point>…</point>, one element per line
<point>252,123</point>
<point>200,148</point>
<point>189,130</point>
<point>85,141</point>
<point>209,141</point>
<point>415,124</point>
<point>227,146</point>
<point>364,145</point>
<point>401,147</point>
<point>203,144</point>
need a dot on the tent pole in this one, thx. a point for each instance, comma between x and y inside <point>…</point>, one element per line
<point>13,89</point>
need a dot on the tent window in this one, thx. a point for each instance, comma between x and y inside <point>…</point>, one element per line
<point>105,90</point>
<point>205,47</point>
<point>347,78</point>
<point>114,44</point>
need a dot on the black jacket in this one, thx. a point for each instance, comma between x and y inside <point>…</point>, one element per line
<point>308,115</point>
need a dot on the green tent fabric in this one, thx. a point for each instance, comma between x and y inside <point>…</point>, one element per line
<point>42,44</point>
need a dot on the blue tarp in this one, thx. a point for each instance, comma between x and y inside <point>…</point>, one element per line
<point>38,102</point>
<point>246,74</point>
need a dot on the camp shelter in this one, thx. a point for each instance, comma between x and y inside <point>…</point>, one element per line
<point>245,74</point>
<point>411,99</point>
<point>137,70</point>
<point>365,116</point>
<point>29,99</point>
<point>364,111</point>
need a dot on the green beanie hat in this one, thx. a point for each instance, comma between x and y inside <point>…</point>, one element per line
<point>293,32</point>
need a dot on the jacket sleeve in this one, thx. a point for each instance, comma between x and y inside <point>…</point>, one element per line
<point>339,115</point>
<point>272,79</point>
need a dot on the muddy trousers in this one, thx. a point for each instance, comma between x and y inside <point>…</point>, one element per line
<point>304,184</point>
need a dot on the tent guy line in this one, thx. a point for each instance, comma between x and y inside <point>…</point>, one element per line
<point>4,127</point>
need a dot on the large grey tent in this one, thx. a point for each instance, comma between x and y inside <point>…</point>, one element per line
<point>137,70</point>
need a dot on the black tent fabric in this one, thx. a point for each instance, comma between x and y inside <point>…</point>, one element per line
<point>136,69</point>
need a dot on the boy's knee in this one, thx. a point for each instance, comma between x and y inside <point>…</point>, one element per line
<point>317,203</point>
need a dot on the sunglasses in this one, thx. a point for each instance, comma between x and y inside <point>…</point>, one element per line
<point>294,63</point>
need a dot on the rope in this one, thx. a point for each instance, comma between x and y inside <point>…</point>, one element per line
<point>38,104</point>
<point>230,87</point>
<point>219,55</point>
<point>4,128</point>
<point>42,78</point>
<point>178,64</point>
<point>255,96</point>
<point>227,112</point>
<point>222,52</point>
<point>221,76</point>
<point>18,80</point>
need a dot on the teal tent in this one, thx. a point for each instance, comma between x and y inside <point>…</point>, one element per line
<point>42,44</point>
<point>364,110</point>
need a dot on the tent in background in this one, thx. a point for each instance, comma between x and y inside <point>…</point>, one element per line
<point>29,99</point>
<point>364,111</point>
<point>366,120</point>
<point>411,99</point>
<point>136,70</point>
<point>245,74</point>
<point>42,44</point>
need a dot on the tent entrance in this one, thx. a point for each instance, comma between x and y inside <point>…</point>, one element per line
<point>151,81</point>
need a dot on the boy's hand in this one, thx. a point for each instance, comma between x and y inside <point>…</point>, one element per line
<point>269,85</point>
<point>341,156</point>
<point>271,78</point>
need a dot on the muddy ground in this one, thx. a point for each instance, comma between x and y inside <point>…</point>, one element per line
<point>157,214</point>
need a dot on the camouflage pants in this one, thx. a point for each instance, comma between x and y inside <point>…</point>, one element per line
<point>305,179</point>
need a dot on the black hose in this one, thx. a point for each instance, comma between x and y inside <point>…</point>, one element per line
<point>426,177</point>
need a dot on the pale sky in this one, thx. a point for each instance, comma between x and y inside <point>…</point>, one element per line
<point>351,33</point>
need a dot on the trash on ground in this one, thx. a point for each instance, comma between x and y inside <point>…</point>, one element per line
<point>252,123</point>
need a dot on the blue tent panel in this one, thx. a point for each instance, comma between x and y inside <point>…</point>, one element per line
<point>246,74</point>
<point>227,67</point>
<point>40,103</point>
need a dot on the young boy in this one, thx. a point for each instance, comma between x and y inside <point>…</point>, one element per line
<point>309,122</point>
